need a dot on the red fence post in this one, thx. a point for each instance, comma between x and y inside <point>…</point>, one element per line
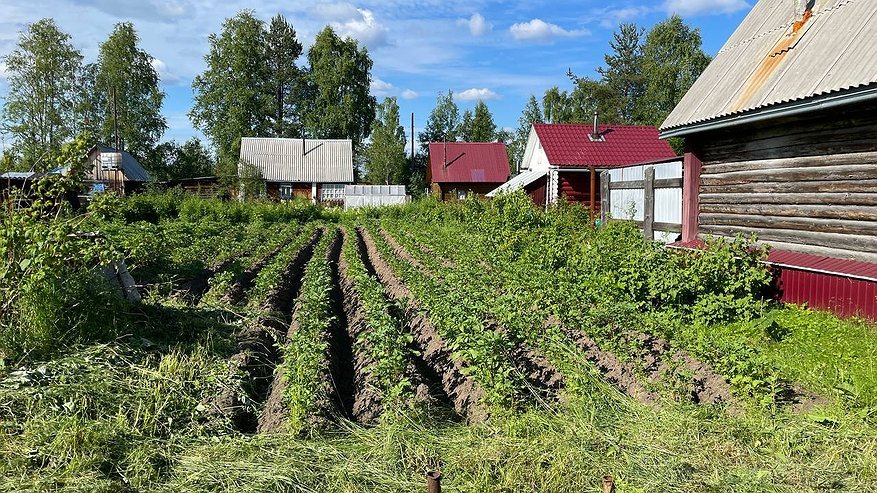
<point>691,167</point>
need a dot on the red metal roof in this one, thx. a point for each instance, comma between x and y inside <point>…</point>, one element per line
<point>468,162</point>
<point>570,145</point>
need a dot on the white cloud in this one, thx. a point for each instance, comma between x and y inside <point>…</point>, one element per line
<point>474,94</point>
<point>477,25</point>
<point>409,94</point>
<point>613,17</point>
<point>381,88</point>
<point>166,76</point>
<point>541,31</point>
<point>362,25</point>
<point>4,72</point>
<point>699,7</point>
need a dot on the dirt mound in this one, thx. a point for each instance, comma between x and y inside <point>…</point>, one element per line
<point>403,253</point>
<point>661,360</point>
<point>461,390</point>
<point>197,287</point>
<point>257,349</point>
<point>367,401</point>
<point>242,284</point>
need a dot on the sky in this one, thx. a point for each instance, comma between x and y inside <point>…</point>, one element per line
<point>500,52</point>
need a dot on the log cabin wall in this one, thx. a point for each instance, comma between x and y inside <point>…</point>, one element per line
<point>807,184</point>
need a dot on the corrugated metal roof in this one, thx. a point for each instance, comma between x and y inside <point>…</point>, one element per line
<point>570,145</point>
<point>468,162</point>
<point>300,160</point>
<point>778,56</point>
<point>17,175</point>
<point>518,182</point>
<point>131,168</point>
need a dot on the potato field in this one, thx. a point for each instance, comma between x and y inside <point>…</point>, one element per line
<point>286,347</point>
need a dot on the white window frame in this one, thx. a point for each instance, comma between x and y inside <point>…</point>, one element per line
<point>286,191</point>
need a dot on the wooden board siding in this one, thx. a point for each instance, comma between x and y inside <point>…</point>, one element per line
<point>576,187</point>
<point>536,191</point>
<point>808,184</point>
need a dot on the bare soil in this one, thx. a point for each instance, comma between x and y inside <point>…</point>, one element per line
<point>464,394</point>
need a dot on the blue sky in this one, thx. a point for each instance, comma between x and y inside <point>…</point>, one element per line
<point>497,51</point>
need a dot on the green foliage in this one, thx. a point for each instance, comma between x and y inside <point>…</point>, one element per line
<point>478,126</point>
<point>133,99</point>
<point>172,161</point>
<point>443,122</point>
<point>51,293</point>
<point>231,100</point>
<point>339,103</point>
<point>282,49</point>
<point>531,114</point>
<point>673,58</point>
<point>385,154</point>
<point>38,107</point>
<point>305,355</point>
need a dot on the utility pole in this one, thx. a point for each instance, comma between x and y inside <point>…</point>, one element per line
<point>412,138</point>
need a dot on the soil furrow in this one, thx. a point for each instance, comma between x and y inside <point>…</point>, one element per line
<point>461,390</point>
<point>197,287</point>
<point>341,358</point>
<point>619,374</point>
<point>661,360</point>
<point>238,290</point>
<point>425,382</point>
<point>367,400</point>
<point>545,381</point>
<point>257,351</point>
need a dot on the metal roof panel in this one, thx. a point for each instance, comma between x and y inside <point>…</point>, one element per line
<point>768,62</point>
<point>299,160</point>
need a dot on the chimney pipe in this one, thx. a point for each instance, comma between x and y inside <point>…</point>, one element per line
<point>596,133</point>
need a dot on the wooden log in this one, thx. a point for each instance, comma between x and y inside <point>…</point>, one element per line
<point>851,213</point>
<point>794,162</point>
<point>821,173</point>
<point>641,184</point>
<point>822,199</point>
<point>649,204</point>
<point>605,196</point>
<point>858,243</point>
<point>796,223</point>
<point>797,187</point>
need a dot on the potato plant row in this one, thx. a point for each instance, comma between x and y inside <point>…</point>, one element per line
<point>458,320</point>
<point>383,338</point>
<point>305,366</point>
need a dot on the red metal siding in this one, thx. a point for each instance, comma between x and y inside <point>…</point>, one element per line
<point>844,296</point>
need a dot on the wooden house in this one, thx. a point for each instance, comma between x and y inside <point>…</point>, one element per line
<point>564,160</point>
<point>781,141</point>
<point>458,170</point>
<point>311,169</point>
<point>110,169</point>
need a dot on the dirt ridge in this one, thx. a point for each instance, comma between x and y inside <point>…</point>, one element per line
<point>257,353</point>
<point>238,290</point>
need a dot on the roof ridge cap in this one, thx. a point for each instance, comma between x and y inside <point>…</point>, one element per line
<point>783,27</point>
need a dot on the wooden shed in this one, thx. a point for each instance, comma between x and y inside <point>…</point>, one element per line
<point>461,169</point>
<point>781,141</point>
<point>112,169</point>
<point>313,169</point>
